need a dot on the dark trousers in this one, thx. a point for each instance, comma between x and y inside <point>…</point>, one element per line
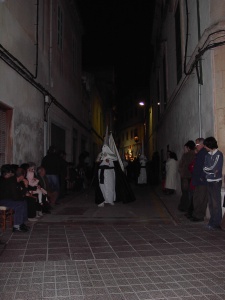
<point>20,210</point>
<point>215,209</point>
<point>185,198</point>
<point>31,206</point>
<point>200,201</point>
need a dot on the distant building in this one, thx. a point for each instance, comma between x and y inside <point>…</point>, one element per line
<point>187,78</point>
<point>132,127</point>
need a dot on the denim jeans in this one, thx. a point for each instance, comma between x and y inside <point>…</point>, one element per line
<point>19,207</point>
<point>215,209</point>
<point>54,184</point>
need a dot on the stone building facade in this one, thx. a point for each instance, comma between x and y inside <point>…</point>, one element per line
<point>41,100</point>
<point>187,77</point>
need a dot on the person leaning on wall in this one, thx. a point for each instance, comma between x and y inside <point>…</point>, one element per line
<point>213,166</point>
<point>185,175</point>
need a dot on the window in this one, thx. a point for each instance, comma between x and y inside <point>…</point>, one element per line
<point>6,145</point>
<point>83,142</point>
<point>74,55</point>
<point>164,82</point>
<point>178,43</point>
<point>59,27</point>
<point>158,101</point>
<point>131,134</point>
<point>135,112</point>
<point>2,136</point>
<point>58,137</point>
<point>75,145</point>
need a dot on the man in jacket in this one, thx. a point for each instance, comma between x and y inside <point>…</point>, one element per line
<point>200,196</point>
<point>213,169</point>
<point>51,163</point>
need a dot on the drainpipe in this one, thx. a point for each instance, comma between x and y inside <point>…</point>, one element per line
<point>37,39</point>
<point>199,110</point>
<point>198,66</point>
<point>47,104</point>
<point>200,79</point>
<point>50,46</point>
<point>46,97</point>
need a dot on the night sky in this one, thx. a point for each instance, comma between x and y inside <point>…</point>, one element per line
<point>118,33</point>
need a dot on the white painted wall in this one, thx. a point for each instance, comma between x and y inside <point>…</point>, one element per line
<point>182,119</point>
<point>55,75</point>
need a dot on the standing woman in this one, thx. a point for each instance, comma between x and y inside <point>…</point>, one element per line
<point>213,168</point>
<point>171,173</point>
<point>185,175</point>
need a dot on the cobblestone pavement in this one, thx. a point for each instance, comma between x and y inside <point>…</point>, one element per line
<point>145,249</point>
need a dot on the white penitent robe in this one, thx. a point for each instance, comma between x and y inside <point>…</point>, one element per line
<point>108,186</point>
<point>142,178</point>
<point>171,174</point>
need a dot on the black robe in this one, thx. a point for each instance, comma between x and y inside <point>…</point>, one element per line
<point>124,192</point>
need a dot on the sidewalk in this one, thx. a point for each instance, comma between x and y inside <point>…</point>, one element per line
<point>140,250</point>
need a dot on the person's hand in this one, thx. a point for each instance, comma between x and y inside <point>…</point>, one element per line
<point>26,183</point>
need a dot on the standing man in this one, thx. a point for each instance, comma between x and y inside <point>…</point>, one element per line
<point>185,175</point>
<point>200,196</point>
<point>51,163</point>
<point>213,168</point>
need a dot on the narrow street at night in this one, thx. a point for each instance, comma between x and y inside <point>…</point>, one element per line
<point>144,249</point>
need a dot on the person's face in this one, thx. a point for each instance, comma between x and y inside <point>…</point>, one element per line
<point>198,145</point>
<point>208,149</point>
<point>42,172</point>
<point>8,175</point>
<point>186,149</point>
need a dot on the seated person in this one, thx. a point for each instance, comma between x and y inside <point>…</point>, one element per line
<point>34,194</point>
<point>33,182</point>
<point>11,195</point>
<point>35,188</point>
<point>49,194</point>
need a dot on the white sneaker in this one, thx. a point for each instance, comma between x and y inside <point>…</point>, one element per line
<point>32,219</point>
<point>101,204</point>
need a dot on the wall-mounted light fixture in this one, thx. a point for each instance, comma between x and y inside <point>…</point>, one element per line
<point>46,99</point>
<point>136,138</point>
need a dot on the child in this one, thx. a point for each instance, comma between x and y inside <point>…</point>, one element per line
<point>34,183</point>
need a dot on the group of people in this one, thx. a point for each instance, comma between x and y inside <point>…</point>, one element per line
<point>32,191</point>
<point>200,170</point>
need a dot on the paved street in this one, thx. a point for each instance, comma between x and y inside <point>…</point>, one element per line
<point>145,249</point>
